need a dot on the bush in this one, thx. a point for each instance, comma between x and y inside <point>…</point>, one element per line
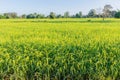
<point>117,15</point>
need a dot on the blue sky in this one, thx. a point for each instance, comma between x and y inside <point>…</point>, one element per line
<point>57,6</point>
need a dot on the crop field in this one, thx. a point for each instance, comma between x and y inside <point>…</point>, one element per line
<point>60,49</point>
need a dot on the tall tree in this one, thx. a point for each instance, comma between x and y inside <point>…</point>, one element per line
<point>14,15</point>
<point>117,14</point>
<point>107,11</point>
<point>78,15</point>
<point>92,13</point>
<point>30,16</point>
<point>113,13</point>
<point>52,15</point>
<point>66,15</point>
<point>10,15</point>
<point>23,16</point>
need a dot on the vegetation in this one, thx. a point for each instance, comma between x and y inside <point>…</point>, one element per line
<point>59,49</point>
<point>52,15</point>
<point>106,12</point>
<point>117,14</point>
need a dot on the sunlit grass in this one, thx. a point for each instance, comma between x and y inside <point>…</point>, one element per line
<point>60,49</point>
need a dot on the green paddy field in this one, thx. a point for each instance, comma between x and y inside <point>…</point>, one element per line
<point>59,49</point>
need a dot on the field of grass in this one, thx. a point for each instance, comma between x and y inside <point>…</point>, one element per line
<point>60,49</point>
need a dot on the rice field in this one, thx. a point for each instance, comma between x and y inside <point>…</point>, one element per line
<point>60,49</point>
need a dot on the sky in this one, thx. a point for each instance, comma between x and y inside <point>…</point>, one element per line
<point>57,6</point>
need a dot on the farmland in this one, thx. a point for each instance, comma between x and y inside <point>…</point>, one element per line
<point>60,49</point>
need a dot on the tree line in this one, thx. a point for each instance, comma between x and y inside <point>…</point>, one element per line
<point>106,12</point>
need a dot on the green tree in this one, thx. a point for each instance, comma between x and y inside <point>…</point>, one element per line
<point>30,16</point>
<point>23,16</point>
<point>40,16</point>
<point>66,15</point>
<point>13,15</point>
<point>59,16</point>
<point>107,11</point>
<point>2,17</point>
<point>35,15</point>
<point>117,14</point>
<point>10,15</point>
<point>92,13</point>
<point>52,15</point>
<point>113,13</point>
<point>78,15</point>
